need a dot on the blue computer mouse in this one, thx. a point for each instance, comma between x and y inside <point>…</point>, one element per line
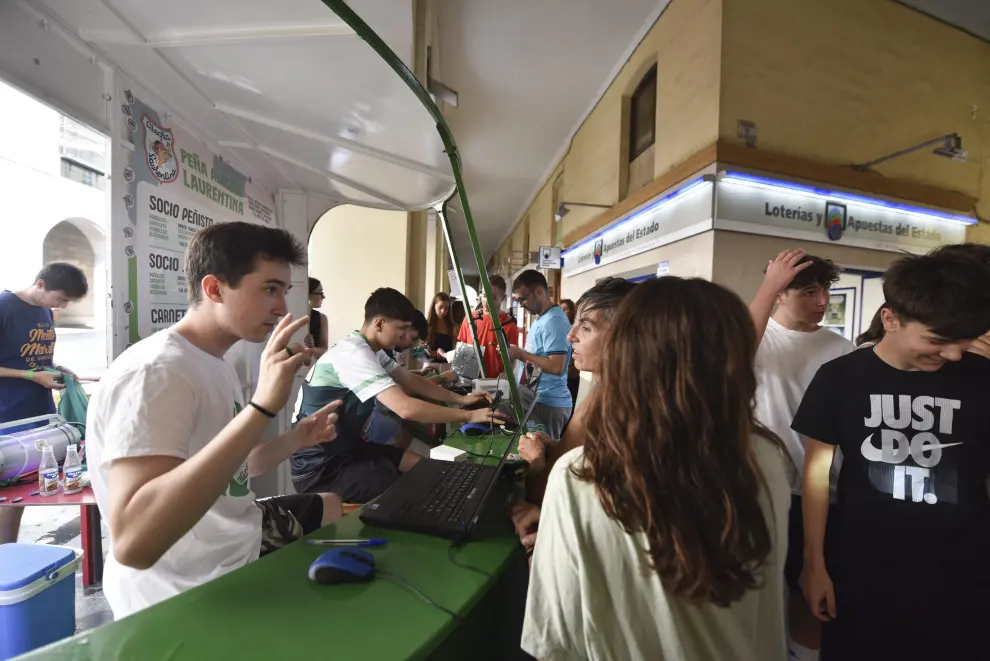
<point>347,565</point>
<point>475,429</point>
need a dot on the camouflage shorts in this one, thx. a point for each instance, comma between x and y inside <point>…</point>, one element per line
<point>284,519</point>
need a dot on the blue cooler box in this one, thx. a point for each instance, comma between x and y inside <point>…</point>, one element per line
<point>37,596</point>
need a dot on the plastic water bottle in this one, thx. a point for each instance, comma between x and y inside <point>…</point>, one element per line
<point>48,472</point>
<point>73,472</point>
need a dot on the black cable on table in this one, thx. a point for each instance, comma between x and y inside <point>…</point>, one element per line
<point>463,565</point>
<point>491,423</point>
<point>403,583</point>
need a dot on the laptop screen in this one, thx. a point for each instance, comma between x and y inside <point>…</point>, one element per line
<point>465,361</point>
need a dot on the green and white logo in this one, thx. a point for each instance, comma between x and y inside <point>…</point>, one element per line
<point>239,485</point>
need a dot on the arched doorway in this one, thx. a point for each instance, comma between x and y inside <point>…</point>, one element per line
<point>353,251</point>
<point>80,242</point>
<point>82,339</point>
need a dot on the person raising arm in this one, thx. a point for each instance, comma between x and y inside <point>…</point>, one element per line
<point>156,500</point>
<point>172,444</point>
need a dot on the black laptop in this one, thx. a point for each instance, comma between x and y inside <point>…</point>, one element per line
<point>441,498</point>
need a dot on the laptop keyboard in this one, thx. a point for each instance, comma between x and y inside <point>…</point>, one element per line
<point>445,500</point>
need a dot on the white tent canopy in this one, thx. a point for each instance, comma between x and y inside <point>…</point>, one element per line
<point>285,91</point>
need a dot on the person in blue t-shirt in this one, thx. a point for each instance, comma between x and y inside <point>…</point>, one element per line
<point>27,347</point>
<point>547,348</point>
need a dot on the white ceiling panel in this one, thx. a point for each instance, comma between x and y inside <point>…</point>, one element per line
<point>286,90</point>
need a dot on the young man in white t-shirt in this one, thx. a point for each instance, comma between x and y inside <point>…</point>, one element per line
<point>172,444</point>
<point>792,346</point>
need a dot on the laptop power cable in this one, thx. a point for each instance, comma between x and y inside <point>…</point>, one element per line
<point>403,583</point>
<point>463,565</point>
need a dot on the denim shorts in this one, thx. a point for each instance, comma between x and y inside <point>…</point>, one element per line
<point>381,428</point>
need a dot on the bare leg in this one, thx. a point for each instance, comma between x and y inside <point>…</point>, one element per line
<point>10,523</point>
<point>333,508</point>
<point>417,446</point>
<point>409,459</point>
<point>805,629</point>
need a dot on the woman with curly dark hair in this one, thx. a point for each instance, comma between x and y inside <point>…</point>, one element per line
<point>664,537</point>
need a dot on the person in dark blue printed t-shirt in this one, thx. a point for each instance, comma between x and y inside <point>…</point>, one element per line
<point>27,347</point>
<point>547,348</point>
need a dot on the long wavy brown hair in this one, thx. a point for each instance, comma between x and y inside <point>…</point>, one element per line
<point>668,437</point>
<point>436,324</point>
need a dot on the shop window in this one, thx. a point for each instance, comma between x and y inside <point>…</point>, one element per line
<point>643,115</point>
<point>82,145</point>
<point>83,174</point>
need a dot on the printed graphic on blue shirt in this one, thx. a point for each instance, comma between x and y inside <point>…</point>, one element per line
<point>27,342</point>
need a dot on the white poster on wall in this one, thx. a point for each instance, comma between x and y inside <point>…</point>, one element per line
<point>166,222</point>
<point>677,215</point>
<point>167,185</point>
<point>759,206</point>
<point>455,284</point>
<point>549,257</point>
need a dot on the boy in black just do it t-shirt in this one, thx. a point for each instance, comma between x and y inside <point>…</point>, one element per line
<point>907,573</point>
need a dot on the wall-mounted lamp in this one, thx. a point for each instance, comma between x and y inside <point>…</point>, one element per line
<point>947,146</point>
<point>562,208</point>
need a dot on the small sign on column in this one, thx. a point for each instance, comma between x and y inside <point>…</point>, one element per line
<point>549,257</point>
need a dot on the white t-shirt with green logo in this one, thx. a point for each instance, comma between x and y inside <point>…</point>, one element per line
<point>164,396</point>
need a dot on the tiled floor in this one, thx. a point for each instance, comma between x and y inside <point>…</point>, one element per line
<point>60,525</point>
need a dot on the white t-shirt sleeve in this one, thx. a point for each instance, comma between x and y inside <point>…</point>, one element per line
<point>387,363</point>
<point>553,629</point>
<point>362,372</point>
<point>149,411</point>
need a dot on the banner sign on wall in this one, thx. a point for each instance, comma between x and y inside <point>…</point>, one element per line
<point>682,213</point>
<point>169,186</point>
<point>746,203</point>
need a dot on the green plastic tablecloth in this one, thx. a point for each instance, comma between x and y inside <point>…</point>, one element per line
<point>270,610</point>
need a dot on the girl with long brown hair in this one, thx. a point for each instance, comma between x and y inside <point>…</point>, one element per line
<point>664,537</point>
<point>442,331</point>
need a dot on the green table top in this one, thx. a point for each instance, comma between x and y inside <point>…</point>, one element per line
<point>271,610</point>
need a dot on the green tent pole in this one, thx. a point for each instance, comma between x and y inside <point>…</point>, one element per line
<point>363,30</point>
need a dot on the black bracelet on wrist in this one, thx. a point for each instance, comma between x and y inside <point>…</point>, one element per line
<point>263,411</point>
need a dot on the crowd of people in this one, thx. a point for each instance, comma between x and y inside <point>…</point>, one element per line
<point>754,486</point>
<point>741,483</point>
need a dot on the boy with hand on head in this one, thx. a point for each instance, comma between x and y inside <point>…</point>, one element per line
<point>172,444</point>
<point>27,349</point>
<point>905,573</point>
<point>368,455</point>
<point>547,348</point>
<point>792,346</point>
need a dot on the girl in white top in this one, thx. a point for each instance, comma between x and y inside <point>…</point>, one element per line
<point>664,537</point>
